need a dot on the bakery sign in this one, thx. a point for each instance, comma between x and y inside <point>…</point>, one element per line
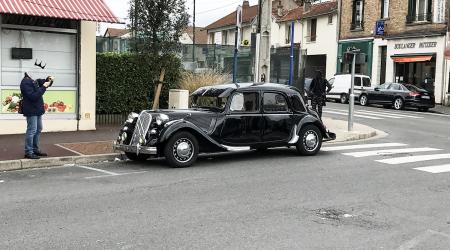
<point>421,45</point>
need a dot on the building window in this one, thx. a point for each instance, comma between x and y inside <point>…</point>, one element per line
<point>419,11</point>
<point>224,37</point>
<point>330,18</point>
<point>384,9</point>
<point>312,29</point>
<point>288,34</point>
<point>212,38</point>
<point>357,15</point>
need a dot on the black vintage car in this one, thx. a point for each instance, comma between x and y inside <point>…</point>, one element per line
<point>398,96</point>
<point>225,118</point>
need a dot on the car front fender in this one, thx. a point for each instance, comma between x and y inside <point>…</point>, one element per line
<point>205,140</point>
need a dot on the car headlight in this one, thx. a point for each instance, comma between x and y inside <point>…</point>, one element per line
<point>132,116</point>
<point>161,119</point>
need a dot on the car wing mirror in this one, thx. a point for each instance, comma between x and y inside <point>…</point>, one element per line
<point>377,89</point>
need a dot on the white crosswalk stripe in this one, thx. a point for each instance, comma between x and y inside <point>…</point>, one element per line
<point>416,158</point>
<point>435,169</point>
<point>363,146</point>
<point>356,115</point>
<point>374,115</point>
<point>390,151</point>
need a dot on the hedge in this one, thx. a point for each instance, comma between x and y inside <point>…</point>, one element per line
<point>126,82</point>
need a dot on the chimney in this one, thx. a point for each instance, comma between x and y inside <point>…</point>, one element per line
<point>245,4</point>
<point>306,6</point>
<point>280,8</point>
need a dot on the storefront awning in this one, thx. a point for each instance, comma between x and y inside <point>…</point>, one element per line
<point>415,58</point>
<point>89,10</point>
<point>447,52</point>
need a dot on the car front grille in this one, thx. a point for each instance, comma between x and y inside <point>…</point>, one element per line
<point>141,129</point>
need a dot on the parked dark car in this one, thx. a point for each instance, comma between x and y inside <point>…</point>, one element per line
<point>398,96</point>
<point>225,118</point>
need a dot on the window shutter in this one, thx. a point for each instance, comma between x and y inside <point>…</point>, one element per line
<point>354,11</point>
<point>411,8</point>
<point>429,6</point>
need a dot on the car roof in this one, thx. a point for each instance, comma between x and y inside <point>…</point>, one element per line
<point>252,86</point>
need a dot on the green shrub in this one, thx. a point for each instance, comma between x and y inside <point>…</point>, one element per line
<point>126,82</point>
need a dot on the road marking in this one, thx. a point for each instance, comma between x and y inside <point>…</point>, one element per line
<point>68,149</point>
<point>435,169</point>
<point>1,181</point>
<point>390,151</point>
<point>362,146</point>
<point>391,115</point>
<point>103,176</point>
<point>99,170</point>
<point>417,158</point>
<point>361,116</point>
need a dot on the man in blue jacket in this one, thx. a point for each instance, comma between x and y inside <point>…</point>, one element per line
<point>33,109</point>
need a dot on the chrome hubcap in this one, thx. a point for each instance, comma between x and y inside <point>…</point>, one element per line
<point>183,150</point>
<point>310,140</point>
<point>363,100</point>
<point>398,103</point>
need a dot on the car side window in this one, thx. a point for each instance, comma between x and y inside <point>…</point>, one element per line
<point>394,87</point>
<point>297,104</point>
<point>275,102</point>
<point>366,82</point>
<point>358,81</point>
<point>245,102</point>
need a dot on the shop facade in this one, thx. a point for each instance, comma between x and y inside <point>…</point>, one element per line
<point>44,43</point>
<point>418,61</point>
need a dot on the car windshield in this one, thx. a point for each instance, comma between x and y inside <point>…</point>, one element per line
<point>210,98</point>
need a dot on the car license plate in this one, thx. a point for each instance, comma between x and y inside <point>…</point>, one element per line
<point>425,97</point>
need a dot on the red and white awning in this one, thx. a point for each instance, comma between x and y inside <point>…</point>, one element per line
<point>89,10</point>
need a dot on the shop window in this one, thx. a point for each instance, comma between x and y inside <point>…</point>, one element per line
<point>224,37</point>
<point>312,30</point>
<point>419,11</point>
<point>357,15</point>
<point>384,9</point>
<point>39,21</point>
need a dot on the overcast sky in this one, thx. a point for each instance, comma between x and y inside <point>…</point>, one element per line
<point>207,11</point>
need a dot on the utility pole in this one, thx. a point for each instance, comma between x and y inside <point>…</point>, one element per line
<point>262,59</point>
<point>193,35</point>
<point>351,106</point>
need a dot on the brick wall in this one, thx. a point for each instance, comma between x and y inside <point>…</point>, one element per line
<point>395,24</point>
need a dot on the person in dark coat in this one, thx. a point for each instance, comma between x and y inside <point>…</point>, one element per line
<point>33,109</point>
<point>319,88</point>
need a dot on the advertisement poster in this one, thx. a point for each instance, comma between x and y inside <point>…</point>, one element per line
<point>55,101</point>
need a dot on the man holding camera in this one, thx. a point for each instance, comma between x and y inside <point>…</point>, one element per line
<point>33,109</point>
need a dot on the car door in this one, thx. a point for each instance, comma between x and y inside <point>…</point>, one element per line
<point>277,115</point>
<point>243,120</point>
<point>391,92</point>
<point>377,95</point>
<point>358,86</point>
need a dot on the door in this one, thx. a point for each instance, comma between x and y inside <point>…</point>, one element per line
<point>377,95</point>
<point>278,122</point>
<point>243,122</point>
<point>358,86</point>
<point>392,91</point>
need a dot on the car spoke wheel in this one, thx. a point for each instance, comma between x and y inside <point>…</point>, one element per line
<point>344,98</point>
<point>363,100</point>
<point>398,103</point>
<point>137,157</point>
<point>310,140</point>
<point>181,150</point>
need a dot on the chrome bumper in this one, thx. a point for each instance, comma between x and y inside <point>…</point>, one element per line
<point>136,149</point>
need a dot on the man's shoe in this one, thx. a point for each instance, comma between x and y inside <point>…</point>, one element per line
<point>32,156</point>
<point>39,153</point>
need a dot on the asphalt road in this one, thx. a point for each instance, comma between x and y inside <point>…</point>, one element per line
<point>276,200</point>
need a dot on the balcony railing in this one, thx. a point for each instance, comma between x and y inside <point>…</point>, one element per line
<point>423,17</point>
<point>357,25</point>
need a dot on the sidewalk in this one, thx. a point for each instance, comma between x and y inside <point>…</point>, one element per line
<point>95,146</point>
<point>441,109</point>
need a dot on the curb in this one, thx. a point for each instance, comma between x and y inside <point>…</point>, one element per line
<point>55,161</point>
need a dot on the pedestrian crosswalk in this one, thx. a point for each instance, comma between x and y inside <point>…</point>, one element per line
<point>372,115</point>
<point>391,149</point>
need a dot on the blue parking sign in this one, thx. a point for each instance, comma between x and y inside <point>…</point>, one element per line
<point>379,28</point>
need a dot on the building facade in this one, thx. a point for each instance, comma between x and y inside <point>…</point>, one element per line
<point>39,44</point>
<point>404,41</point>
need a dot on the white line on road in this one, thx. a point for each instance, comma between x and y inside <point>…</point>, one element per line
<point>1,181</point>
<point>68,149</point>
<point>390,151</point>
<point>417,158</point>
<point>393,115</point>
<point>99,170</point>
<point>361,146</point>
<point>435,169</point>
<point>103,176</point>
<point>360,116</point>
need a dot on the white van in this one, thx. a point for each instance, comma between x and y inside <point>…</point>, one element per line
<point>341,86</point>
